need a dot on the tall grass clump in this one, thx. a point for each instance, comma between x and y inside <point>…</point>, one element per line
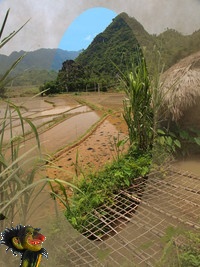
<point>17,170</point>
<point>143,111</point>
<point>19,166</point>
<point>138,111</point>
<point>9,164</point>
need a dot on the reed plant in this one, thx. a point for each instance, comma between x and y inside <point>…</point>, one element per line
<point>138,112</point>
<point>15,171</point>
<point>5,79</point>
<point>22,171</point>
<point>20,183</point>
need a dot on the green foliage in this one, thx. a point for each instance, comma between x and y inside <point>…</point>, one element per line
<point>181,248</point>
<point>98,188</point>
<point>50,88</point>
<point>116,44</point>
<point>12,164</point>
<point>178,140</point>
<point>190,252</point>
<point>189,138</point>
<point>94,70</point>
<point>120,40</point>
<point>174,46</point>
<point>71,77</point>
<point>168,140</point>
<point>138,112</point>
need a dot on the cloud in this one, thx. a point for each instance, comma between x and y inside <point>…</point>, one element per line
<point>50,19</point>
<point>89,37</point>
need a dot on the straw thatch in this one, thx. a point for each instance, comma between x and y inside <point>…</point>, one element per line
<point>181,86</point>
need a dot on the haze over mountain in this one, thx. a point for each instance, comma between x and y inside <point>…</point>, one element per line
<point>41,59</point>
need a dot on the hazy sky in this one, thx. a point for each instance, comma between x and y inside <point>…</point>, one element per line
<point>50,19</point>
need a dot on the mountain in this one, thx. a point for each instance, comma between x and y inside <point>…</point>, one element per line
<point>117,44</point>
<point>109,53</point>
<point>110,49</point>
<point>41,59</point>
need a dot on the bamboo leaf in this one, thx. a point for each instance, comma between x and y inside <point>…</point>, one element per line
<point>34,130</point>
<point>177,143</point>
<point>17,109</point>
<point>3,79</point>
<point>4,22</point>
<point>197,140</point>
<point>9,37</point>
<point>161,132</point>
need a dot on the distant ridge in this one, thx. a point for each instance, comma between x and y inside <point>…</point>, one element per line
<point>41,59</point>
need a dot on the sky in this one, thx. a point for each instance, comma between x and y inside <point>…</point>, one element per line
<point>85,27</point>
<point>63,23</point>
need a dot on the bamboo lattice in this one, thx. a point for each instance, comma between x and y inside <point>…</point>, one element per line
<point>128,231</point>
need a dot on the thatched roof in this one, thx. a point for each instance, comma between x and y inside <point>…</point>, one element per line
<point>181,85</point>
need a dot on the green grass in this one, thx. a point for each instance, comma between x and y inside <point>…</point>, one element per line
<point>98,188</point>
<point>181,248</point>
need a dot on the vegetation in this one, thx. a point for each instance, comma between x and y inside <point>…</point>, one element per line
<point>18,169</point>
<point>94,70</point>
<point>98,188</point>
<point>116,44</point>
<point>33,77</point>
<point>37,67</point>
<point>140,113</point>
<point>181,248</point>
<point>120,40</point>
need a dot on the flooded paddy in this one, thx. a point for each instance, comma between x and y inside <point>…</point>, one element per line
<point>191,164</point>
<point>43,112</point>
<point>61,121</point>
<point>67,131</point>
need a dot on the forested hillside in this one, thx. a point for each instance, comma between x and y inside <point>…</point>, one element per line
<point>117,44</point>
<point>110,50</point>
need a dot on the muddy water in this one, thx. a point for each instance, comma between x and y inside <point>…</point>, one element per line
<point>52,140</point>
<point>61,134</point>
<point>39,110</point>
<point>67,131</point>
<point>190,164</point>
<point>40,118</point>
